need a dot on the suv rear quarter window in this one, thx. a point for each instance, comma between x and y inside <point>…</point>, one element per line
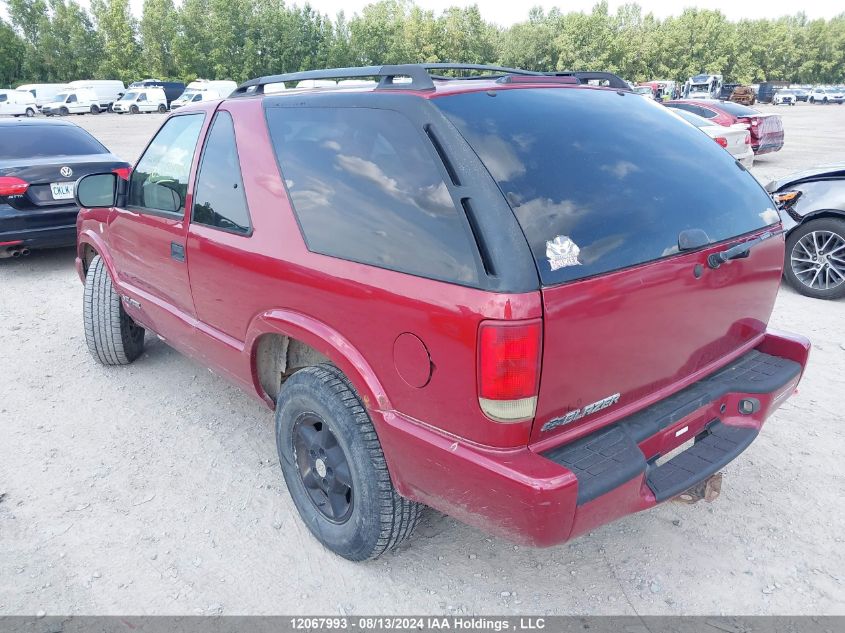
<point>366,187</point>
<point>601,180</point>
<point>219,199</point>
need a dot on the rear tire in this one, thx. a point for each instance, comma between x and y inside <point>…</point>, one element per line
<point>162,108</point>
<point>112,336</point>
<point>30,113</point>
<point>803,249</point>
<point>335,469</point>
<point>95,109</point>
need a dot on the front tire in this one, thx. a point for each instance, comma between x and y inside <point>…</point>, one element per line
<point>815,259</point>
<point>335,469</point>
<point>112,336</point>
<point>134,109</point>
<point>63,111</point>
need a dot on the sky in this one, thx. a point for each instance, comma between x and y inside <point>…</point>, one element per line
<point>507,12</point>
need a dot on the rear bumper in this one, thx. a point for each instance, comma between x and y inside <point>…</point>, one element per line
<point>544,499</point>
<point>768,145</point>
<point>45,227</point>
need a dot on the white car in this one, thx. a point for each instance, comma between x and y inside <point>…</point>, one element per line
<point>784,97</point>
<point>827,95</point>
<point>17,103</point>
<point>734,138</point>
<point>79,101</point>
<point>139,100</point>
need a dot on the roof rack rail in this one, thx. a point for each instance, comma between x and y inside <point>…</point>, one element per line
<point>420,78</point>
<point>585,76</point>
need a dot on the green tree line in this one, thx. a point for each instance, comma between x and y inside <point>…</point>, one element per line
<point>58,40</point>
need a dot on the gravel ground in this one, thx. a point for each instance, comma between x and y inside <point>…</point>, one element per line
<point>155,488</point>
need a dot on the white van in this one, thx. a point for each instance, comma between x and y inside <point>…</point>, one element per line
<point>73,101</point>
<point>43,93</point>
<point>107,91</point>
<point>17,103</point>
<point>139,100</point>
<point>204,90</point>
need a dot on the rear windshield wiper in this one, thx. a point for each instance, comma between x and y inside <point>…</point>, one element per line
<point>714,260</point>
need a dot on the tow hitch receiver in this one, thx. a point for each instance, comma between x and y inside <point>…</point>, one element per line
<point>708,490</point>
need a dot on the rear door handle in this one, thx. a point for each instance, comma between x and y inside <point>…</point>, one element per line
<point>177,251</point>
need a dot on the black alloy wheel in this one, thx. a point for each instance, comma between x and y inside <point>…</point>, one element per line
<point>323,467</point>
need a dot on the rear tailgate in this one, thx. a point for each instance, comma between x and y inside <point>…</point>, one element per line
<point>620,231</point>
<point>646,332</point>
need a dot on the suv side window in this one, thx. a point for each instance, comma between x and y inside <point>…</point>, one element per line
<point>365,187</point>
<point>219,198</point>
<point>164,168</point>
<point>71,99</point>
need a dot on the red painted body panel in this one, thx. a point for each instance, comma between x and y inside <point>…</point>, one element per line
<point>668,328</point>
<point>521,495</point>
<point>657,324</point>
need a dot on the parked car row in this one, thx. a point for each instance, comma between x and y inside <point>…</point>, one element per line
<point>95,96</point>
<point>766,130</point>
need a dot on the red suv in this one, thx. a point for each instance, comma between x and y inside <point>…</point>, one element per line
<point>482,294</point>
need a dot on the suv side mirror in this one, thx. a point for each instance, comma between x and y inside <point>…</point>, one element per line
<point>97,190</point>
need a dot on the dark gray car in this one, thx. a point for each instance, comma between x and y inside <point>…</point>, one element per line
<point>812,209</point>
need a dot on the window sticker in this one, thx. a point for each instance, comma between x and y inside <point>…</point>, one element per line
<point>562,252</point>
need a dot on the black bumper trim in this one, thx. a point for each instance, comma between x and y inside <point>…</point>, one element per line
<point>610,457</point>
<point>712,451</point>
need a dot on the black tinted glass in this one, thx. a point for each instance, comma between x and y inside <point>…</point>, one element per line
<point>366,187</point>
<point>219,199</point>
<point>38,141</point>
<point>166,165</point>
<point>736,109</point>
<point>696,120</point>
<point>600,181</point>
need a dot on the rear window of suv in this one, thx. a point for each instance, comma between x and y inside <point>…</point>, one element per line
<point>600,181</point>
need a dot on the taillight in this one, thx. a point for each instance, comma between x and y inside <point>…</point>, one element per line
<point>12,186</point>
<point>509,369</point>
<point>123,172</point>
<point>721,140</point>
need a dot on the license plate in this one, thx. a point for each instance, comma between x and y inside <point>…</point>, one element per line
<point>62,190</point>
